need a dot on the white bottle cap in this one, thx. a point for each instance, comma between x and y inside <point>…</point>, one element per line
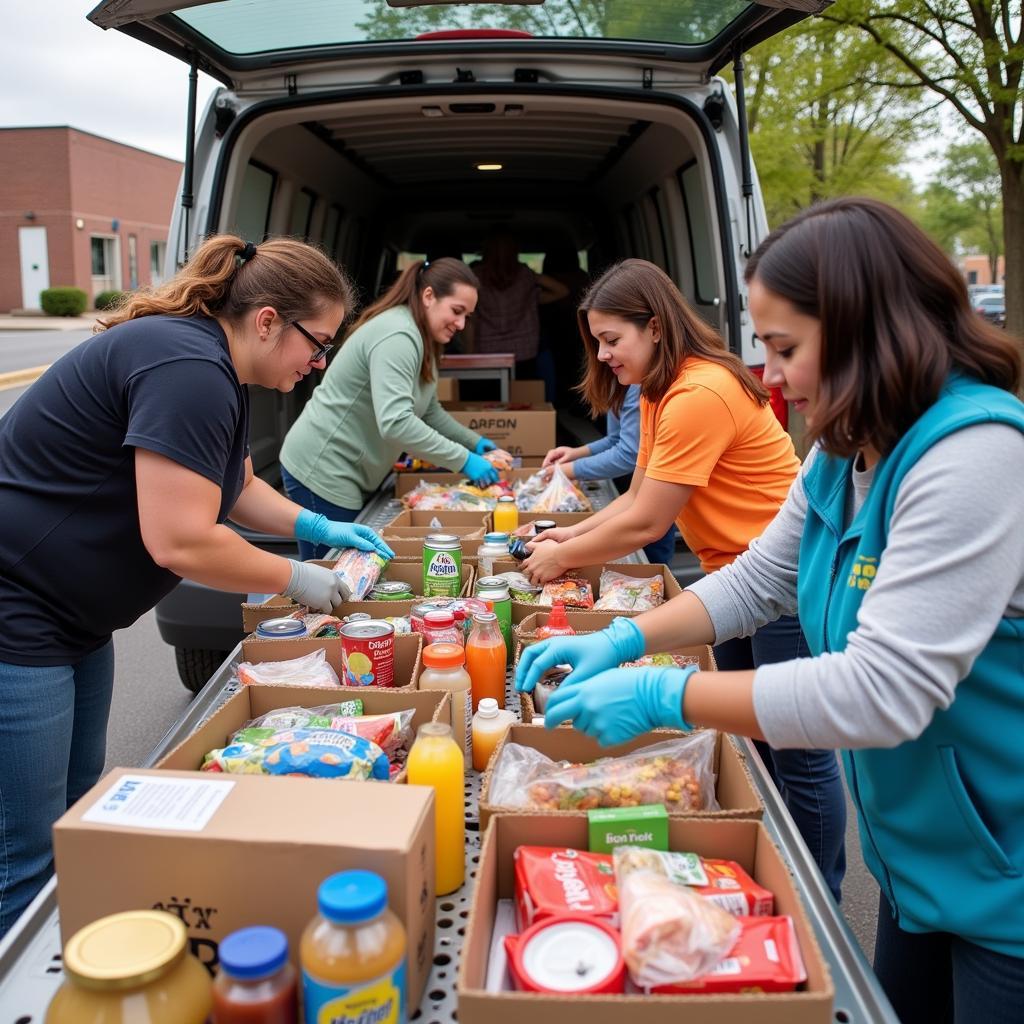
<point>488,708</point>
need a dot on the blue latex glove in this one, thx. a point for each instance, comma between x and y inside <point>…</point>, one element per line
<point>485,444</point>
<point>318,529</point>
<point>479,470</point>
<point>622,703</point>
<point>588,655</point>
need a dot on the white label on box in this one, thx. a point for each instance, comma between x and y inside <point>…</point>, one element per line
<point>141,801</point>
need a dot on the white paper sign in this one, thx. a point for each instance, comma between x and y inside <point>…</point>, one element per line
<point>141,801</point>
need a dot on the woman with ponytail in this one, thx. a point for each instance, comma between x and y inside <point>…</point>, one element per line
<point>378,397</point>
<point>118,469</point>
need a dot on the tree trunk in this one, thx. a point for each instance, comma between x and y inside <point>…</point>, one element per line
<point>1013,244</point>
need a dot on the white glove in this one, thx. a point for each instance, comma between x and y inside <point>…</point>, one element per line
<point>316,587</point>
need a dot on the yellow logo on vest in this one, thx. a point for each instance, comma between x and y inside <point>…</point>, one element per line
<point>862,573</point>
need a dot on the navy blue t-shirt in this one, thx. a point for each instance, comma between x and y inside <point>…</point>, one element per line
<point>73,567</point>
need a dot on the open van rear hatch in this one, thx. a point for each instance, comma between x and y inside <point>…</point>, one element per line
<point>233,40</point>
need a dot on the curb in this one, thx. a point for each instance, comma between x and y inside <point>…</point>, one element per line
<point>19,378</point>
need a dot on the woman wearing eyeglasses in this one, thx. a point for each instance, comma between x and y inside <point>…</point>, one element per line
<point>118,469</point>
<point>378,398</point>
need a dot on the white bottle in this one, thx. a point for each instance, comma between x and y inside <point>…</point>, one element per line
<point>490,723</point>
<point>495,545</point>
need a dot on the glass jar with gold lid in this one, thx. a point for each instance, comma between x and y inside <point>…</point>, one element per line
<point>132,968</point>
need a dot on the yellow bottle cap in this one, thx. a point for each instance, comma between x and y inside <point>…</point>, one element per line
<point>125,950</point>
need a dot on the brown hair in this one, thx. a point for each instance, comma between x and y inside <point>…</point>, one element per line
<point>499,265</point>
<point>228,277</point>
<point>894,314</point>
<point>638,291</point>
<point>441,276</point>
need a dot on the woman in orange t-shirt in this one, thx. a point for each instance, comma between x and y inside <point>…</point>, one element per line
<point>714,458</point>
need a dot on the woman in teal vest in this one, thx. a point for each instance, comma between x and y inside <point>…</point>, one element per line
<point>901,546</point>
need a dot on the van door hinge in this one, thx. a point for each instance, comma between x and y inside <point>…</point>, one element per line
<point>648,79</point>
<point>291,84</point>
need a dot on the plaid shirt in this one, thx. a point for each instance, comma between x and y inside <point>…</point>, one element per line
<point>508,320</point>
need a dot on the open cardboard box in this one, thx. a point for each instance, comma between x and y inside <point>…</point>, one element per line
<point>257,859</point>
<point>734,786</point>
<point>415,517</point>
<point>420,533</point>
<point>558,518</point>
<point>519,428</point>
<point>744,841</point>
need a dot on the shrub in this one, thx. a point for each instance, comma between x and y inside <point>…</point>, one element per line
<point>108,300</point>
<point>63,301</point>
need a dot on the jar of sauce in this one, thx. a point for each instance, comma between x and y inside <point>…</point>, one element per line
<point>132,968</point>
<point>255,983</point>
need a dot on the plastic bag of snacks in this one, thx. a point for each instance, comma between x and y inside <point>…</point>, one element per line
<point>665,660</point>
<point>572,590</point>
<point>462,498</point>
<point>669,933</point>
<point>309,670</point>
<point>500,459</point>
<point>389,731</point>
<point>559,494</point>
<point>306,718</point>
<point>520,588</point>
<point>678,773</point>
<point>317,624</point>
<point>359,571</point>
<point>622,593</point>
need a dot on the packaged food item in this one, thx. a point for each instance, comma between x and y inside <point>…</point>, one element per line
<point>669,933</point>
<point>442,565</point>
<point>495,592</point>
<point>559,494</point>
<point>490,723</point>
<point>389,731</point>
<point>132,966</point>
<point>553,880</point>
<point>439,628</point>
<point>495,545</point>
<point>518,550</point>
<point>568,955</point>
<point>359,571</point>
<point>353,953</point>
<point>255,984</point>
<point>500,459</point>
<point>400,623</point>
<point>464,497</point>
<point>368,653</point>
<point>318,625</point>
<point>765,958</point>
<point>309,670</point>
<point>557,624</point>
<point>541,525</point>
<point>622,593</point>
<point>506,515</point>
<point>485,659</point>
<point>677,773</point>
<point>391,590</point>
<point>318,753</point>
<point>321,717</point>
<point>572,589</point>
<point>734,890</point>
<point>549,681</point>
<point>520,588</point>
<point>665,660</point>
<point>288,628</point>
<point>406,463</point>
<point>444,669</point>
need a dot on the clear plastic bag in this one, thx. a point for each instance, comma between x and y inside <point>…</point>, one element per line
<point>460,498</point>
<point>664,660</point>
<point>359,571</point>
<point>309,670</point>
<point>622,593</point>
<point>391,731</point>
<point>306,718</point>
<point>559,494</point>
<point>678,773</point>
<point>669,933</point>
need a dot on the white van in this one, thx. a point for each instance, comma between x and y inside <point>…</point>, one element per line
<point>368,126</point>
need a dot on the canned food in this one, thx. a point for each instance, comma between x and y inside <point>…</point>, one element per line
<point>517,549</point>
<point>391,590</point>
<point>442,565</point>
<point>540,525</point>
<point>368,653</point>
<point>569,953</point>
<point>547,684</point>
<point>281,629</point>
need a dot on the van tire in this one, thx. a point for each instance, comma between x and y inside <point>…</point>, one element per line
<point>197,664</point>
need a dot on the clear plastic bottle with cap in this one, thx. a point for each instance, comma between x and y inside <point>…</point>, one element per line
<point>495,545</point>
<point>353,953</point>
<point>490,723</point>
<point>506,515</point>
<point>444,668</point>
<point>132,968</point>
<point>255,983</point>
<point>557,624</point>
<point>485,659</point>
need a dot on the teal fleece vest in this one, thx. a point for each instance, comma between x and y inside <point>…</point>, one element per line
<point>942,816</point>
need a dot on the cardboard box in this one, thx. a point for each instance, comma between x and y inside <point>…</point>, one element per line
<point>734,787</point>
<point>520,392</point>
<point>744,841</point>
<point>414,517</point>
<point>420,533</point>
<point>257,860</point>
<point>520,431</point>
<point>559,518</point>
<point>447,389</point>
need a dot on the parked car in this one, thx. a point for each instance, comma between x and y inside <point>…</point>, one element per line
<point>369,127</point>
<point>977,291</point>
<point>992,308</point>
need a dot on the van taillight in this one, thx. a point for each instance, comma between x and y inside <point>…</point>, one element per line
<point>779,405</point>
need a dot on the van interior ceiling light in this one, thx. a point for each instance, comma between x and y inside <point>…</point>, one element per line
<point>489,167</point>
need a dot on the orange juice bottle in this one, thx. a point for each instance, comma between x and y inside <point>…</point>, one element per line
<point>436,760</point>
<point>490,724</point>
<point>485,659</point>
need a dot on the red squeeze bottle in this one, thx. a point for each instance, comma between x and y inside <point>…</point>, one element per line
<point>558,624</point>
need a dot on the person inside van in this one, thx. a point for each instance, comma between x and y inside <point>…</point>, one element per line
<point>118,470</point>
<point>559,356</point>
<point>901,546</point>
<point>714,458</point>
<point>378,398</point>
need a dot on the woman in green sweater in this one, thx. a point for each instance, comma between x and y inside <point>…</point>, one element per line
<point>378,398</point>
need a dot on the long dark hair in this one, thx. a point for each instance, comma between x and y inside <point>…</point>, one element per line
<point>441,276</point>
<point>638,291</point>
<point>894,313</point>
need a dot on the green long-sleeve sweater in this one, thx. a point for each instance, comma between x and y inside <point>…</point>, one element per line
<point>370,407</point>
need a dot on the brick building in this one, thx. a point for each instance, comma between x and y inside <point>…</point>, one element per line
<point>77,209</point>
<point>977,270</point>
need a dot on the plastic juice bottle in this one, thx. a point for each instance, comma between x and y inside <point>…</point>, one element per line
<point>506,515</point>
<point>485,659</point>
<point>557,624</point>
<point>255,984</point>
<point>435,760</point>
<point>353,954</point>
<point>495,545</point>
<point>444,669</point>
<point>490,723</point>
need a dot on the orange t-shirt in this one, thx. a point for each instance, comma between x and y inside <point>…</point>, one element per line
<point>709,433</point>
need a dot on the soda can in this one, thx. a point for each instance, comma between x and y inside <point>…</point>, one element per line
<point>517,549</point>
<point>281,629</point>
<point>368,653</point>
<point>540,525</point>
<point>495,590</point>
<point>442,565</point>
<point>391,590</point>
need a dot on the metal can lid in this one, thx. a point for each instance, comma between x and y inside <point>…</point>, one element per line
<point>357,617</point>
<point>570,953</point>
<point>278,628</point>
<point>373,629</point>
<point>491,583</point>
<point>443,542</point>
<point>391,587</point>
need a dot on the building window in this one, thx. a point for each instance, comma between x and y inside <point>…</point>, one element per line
<point>157,253</point>
<point>972,277</point>
<point>253,217</point>
<point>133,262</point>
<point>302,214</point>
<point>100,257</point>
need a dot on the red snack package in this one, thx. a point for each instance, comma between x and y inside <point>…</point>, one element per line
<point>552,880</point>
<point>734,890</point>
<point>766,958</point>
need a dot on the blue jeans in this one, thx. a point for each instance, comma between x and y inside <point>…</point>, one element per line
<point>302,495</point>
<point>938,978</point>
<point>808,780</point>
<point>661,551</point>
<point>53,734</point>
